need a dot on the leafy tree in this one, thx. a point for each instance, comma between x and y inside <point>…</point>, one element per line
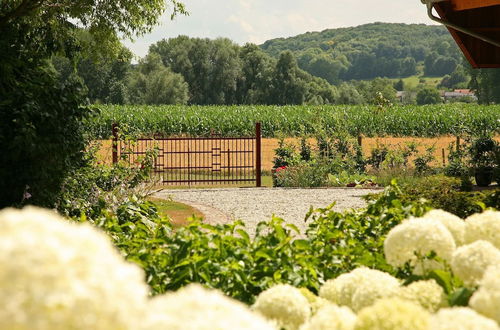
<point>287,88</point>
<point>428,95</point>
<point>153,83</point>
<point>370,51</point>
<point>210,67</point>
<point>41,133</point>
<point>486,83</point>
<point>256,71</point>
<point>399,85</point>
<point>348,94</point>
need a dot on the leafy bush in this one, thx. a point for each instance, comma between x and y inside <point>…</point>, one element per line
<point>444,193</point>
<point>244,264</point>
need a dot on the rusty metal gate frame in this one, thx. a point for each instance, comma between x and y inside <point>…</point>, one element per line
<point>183,160</point>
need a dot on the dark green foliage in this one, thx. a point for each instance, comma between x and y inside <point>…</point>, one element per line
<point>444,193</point>
<point>243,264</point>
<point>41,135</point>
<point>428,95</point>
<point>221,72</point>
<point>305,150</point>
<point>42,130</point>
<point>371,50</point>
<point>486,83</point>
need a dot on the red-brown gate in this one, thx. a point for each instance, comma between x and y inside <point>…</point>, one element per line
<point>196,160</point>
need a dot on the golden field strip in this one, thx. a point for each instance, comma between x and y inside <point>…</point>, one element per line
<point>368,144</point>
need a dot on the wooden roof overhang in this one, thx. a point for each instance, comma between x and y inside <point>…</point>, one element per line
<point>475,26</point>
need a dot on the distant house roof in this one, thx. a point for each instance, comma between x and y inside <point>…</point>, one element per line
<point>459,93</point>
<point>479,17</point>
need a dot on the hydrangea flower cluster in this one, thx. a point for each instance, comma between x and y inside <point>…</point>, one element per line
<point>486,300</point>
<point>55,274</point>
<point>454,224</point>
<point>427,294</point>
<point>196,308</point>
<point>285,305</point>
<point>483,226</point>
<point>471,261</point>
<point>60,275</point>
<point>460,318</point>
<point>359,288</point>
<point>393,314</point>
<point>331,317</point>
<point>418,237</point>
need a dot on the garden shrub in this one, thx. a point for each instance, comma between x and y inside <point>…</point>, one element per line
<point>444,193</point>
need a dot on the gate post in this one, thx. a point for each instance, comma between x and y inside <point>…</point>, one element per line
<point>114,143</point>
<point>258,162</point>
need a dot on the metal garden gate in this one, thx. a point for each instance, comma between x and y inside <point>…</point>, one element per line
<point>196,160</point>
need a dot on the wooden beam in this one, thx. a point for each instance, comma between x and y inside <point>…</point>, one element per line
<point>440,9</point>
<point>458,5</point>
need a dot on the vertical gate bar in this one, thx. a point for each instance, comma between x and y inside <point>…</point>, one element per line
<point>245,156</point>
<point>211,148</point>
<point>241,154</point>
<point>188,169</point>
<point>258,154</point>
<point>114,143</point>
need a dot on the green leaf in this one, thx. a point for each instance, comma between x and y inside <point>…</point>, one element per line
<point>460,297</point>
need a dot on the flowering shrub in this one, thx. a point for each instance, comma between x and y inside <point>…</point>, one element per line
<point>393,314</point>
<point>194,307</point>
<point>285,305</point>
<point>483,226</point>
<point>331,317</point>
<point>454,224</point>
<point>59,275</point>
<point>416,238</point>
<point>427,294</point>
<point>487,299</point>
<point>359,288</point>
<point>471,261</point>
<point>460,318</point>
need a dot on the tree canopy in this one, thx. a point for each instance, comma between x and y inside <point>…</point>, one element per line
<point>41,133</point>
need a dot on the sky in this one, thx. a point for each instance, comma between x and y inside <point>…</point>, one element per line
<point>256,21</point>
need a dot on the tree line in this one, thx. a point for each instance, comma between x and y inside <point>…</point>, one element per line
<point>186,70</point>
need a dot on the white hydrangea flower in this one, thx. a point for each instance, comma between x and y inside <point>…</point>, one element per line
<point>331,317</point>
<point>315,302</point>
<point>470,261</point>
<point>359,288</point>
<point>55,274</point>
<point>483,226</point>
<point>427,294</point>
<point>197,308</point>
<point>393,314</point>
<point>454,224</point>
<point>460,318</point>
<point>285,305</point>
<point>486,300</point>
<point>418,236</point>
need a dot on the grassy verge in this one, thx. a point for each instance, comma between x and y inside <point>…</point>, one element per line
<point>178,212</point>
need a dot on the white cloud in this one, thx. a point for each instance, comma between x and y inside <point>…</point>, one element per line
<point>259,20</point>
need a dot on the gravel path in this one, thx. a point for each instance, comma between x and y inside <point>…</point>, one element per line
<point>253,205</point>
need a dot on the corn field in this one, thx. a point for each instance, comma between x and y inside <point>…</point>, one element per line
<point>397,121</point>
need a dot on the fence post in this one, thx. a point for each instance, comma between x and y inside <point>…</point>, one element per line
<point>458,143</point>
<point>444,159</point>
<point>258,160</point>
<point>114,144</point>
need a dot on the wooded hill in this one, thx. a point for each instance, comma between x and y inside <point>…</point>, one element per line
<point>371,50</point>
